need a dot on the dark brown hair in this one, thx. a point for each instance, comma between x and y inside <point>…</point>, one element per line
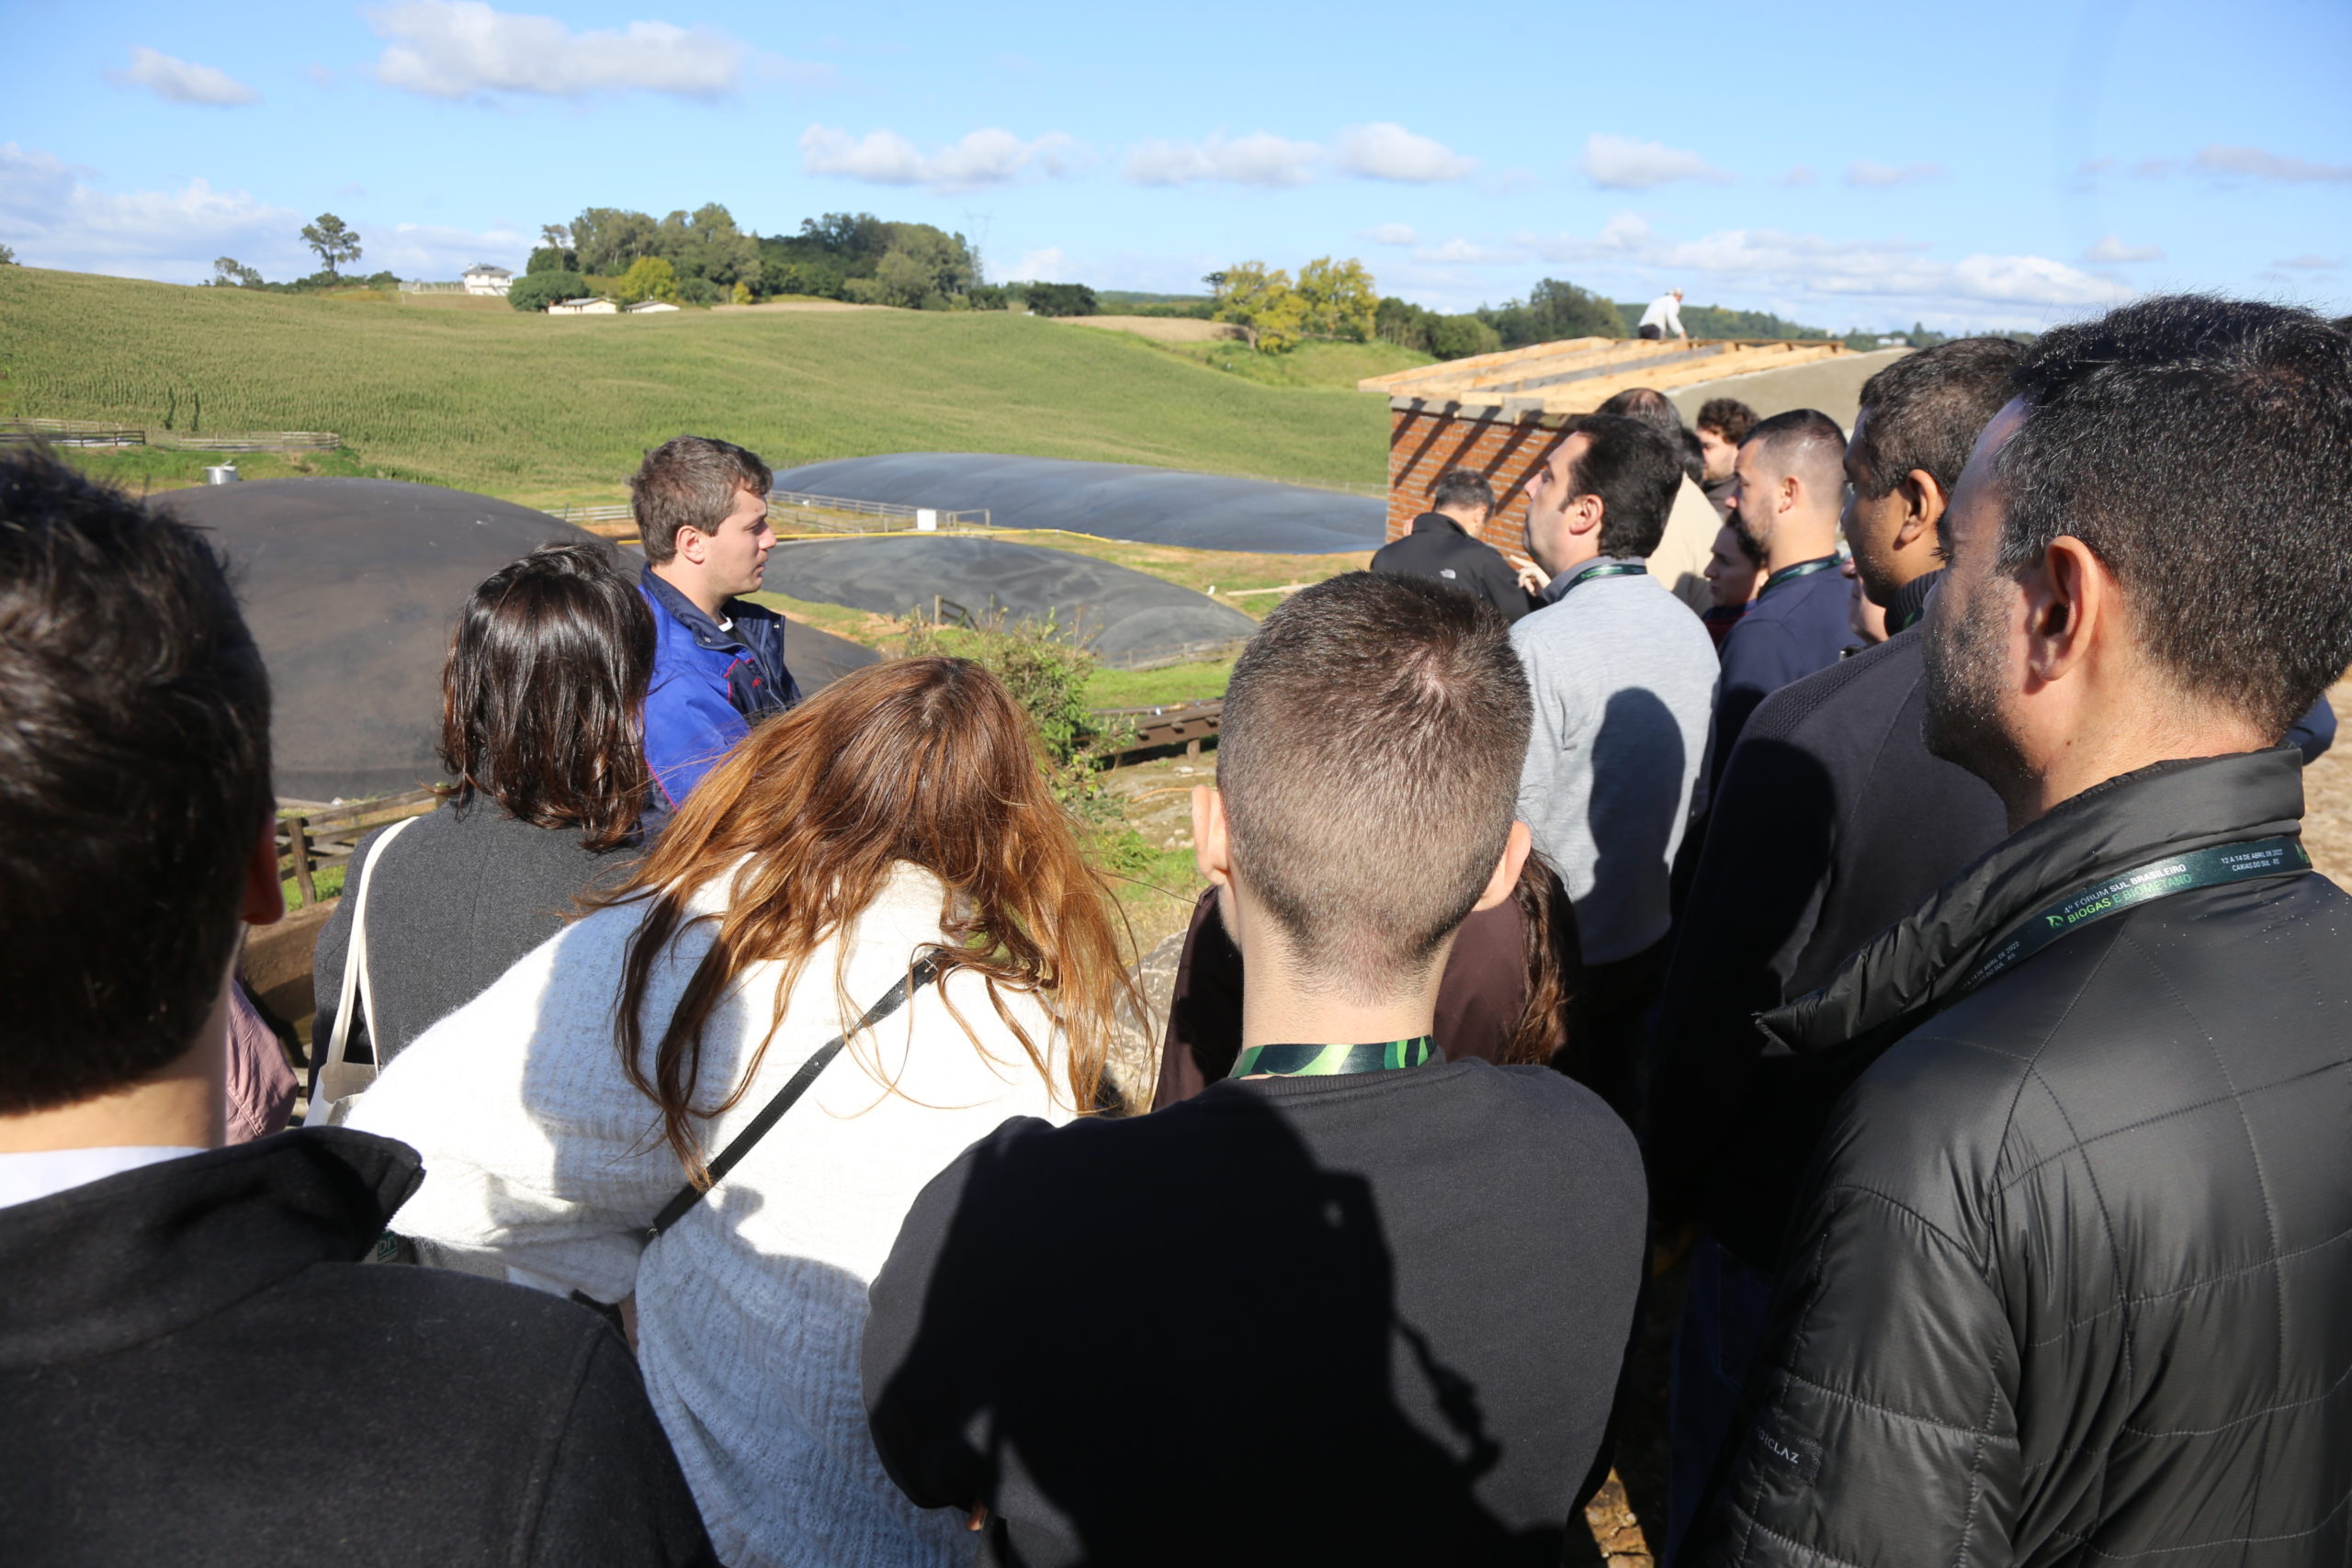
<point>1927,408</point>
<point>134,784</point>
<point>1370,747</point>
<point>1463,487</point>
<point>925,761</point>
<point>543,696</point>
<point>1727,417</point>
<point>690,481</point>
<point>1636,471</point>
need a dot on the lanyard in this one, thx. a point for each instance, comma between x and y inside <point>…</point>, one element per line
<point>2214,867</point>
<point>1604,569</point>
<point>1329,1061</point>
<point>1803,569</point>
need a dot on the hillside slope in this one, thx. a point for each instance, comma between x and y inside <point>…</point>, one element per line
<point>548,409</point>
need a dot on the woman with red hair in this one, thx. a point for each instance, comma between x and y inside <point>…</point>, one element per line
<point>896,825</point>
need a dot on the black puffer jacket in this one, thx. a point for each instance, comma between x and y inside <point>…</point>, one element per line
<point>2075,1280</point>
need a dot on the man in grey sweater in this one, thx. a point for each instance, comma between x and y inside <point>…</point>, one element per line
<point>1624,678</point>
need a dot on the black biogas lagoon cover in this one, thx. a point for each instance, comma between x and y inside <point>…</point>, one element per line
<point>1128,617</point>
<point>352,587</point>
<point>1111,500</point>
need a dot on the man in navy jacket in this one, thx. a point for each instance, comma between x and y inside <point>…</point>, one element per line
<point>702,512</point>
<point>1790,483</point>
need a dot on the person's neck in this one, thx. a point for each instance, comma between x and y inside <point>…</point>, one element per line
<point>1792,544</point>
<point>183,1106</point>
<point>2098,751</point>
<point>1577,550</point>
<point>683,575</point>
<point>1277,1009</point>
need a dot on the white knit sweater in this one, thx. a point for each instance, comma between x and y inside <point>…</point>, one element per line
<point>540,1152</point>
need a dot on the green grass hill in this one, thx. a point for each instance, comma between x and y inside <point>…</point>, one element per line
<point>546,410</point>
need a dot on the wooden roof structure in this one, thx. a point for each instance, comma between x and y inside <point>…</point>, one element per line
<point>1578,374</point>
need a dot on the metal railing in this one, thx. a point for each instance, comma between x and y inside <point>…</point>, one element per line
<point>99,433</point>
<point>792,512</point>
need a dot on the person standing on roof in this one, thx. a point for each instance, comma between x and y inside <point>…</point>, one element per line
<point>1444,545</point>
<point>1664,317</point>
<point>719,667</point>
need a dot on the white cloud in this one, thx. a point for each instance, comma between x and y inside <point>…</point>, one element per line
<point>1259,158</point>
<point>2113,252</point>
<point>1866,175</point>
<point>463,49</point>
<point>2308,263</point>
<point>1388,152</point>
<point>1620,162</point>
<point>54,216</point>
<point>1048,266</point>
<point>422,249</point>
<point>987,157</point>
<point>181,81</point>
<point>1893,268</point>
<point>1625,231</point>
<point>2253,163</point>
<point>1392,234</point>
<point>1464,253</point>
<point>1802,174</point>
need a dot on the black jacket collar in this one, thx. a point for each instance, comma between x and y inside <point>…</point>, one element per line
<point>135,1257</point>
<point>1438,523</point>
<point>1912,970</point>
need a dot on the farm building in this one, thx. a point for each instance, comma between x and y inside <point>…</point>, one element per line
<point>482,278</point>
<point>648,306</point>
<point>592,306</point>
<point>1500,414</point>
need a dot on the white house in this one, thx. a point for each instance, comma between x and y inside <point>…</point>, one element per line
<point>583,307</point>
<point>646,306</point>
<point>483,278</point>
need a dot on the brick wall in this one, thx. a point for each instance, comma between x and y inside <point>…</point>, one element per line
<point>1427,438</point>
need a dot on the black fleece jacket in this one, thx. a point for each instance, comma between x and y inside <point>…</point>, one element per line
<point>197,1370</point>
<point>2070,1286</point>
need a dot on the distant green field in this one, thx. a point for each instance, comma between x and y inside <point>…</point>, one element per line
<point>546,410</point>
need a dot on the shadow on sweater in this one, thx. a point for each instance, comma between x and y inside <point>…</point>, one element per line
<point>1192,1355</point>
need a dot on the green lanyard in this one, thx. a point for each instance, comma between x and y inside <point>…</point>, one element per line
<point>1329,1061</point>
<point>1604,569</point>
<point>1790,573</point>
<point>2214,867</point>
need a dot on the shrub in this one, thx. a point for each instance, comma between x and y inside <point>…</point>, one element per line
<point>1459,337</point>
<point>1046,675</point>
<point>1061,299</point>
<point>552,258</point>
<point>648,277</point>
<point>537,290</point>
<point>699,291</point>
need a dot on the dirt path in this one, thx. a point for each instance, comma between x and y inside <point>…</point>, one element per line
<point>1161,329</point>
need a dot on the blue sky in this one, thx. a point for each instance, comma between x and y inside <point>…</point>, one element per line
<point>2002,163</point>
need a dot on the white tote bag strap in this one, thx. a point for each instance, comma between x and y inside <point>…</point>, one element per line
<point>340,1078</point>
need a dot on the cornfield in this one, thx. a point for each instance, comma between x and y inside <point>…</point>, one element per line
<point>537,408</point>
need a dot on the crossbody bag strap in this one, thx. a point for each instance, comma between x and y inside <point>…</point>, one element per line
<point>337,1070</point>
<point>923,972</point>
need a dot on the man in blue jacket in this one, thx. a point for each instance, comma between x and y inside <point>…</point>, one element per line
<point>702,512</point>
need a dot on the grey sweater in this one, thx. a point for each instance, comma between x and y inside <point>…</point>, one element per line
<point>1624,678</point>
<point>459,897</point>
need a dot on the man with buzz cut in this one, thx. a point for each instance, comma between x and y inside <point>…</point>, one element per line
<point>702,515</point>
<point>195,1363</point>
<point>1622,675</point>
<point>2068,1284</point>
<point>1385,1297</point>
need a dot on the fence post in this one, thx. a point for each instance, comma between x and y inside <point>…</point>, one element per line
<point>297,834</point>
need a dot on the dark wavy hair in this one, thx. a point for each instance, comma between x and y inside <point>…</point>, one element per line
<point>543,696</point>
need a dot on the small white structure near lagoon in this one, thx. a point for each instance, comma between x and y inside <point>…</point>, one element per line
<point>483,278</point>
<point>648,306</point>
<point>592,306</point>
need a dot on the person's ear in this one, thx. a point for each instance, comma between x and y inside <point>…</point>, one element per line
<point>1923,501</point>
<point>691,543</point>
<point>265,900</point>
<point>2069,599</point>
<point>1505,881</point>
<point>1584,513</point>
<point>1212,847</point>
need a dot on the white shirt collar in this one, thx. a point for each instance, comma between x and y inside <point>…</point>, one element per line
<point>44,1173</point>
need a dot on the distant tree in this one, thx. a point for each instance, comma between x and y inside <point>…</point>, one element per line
<point>1554,311</point>
<point>741,295</point>
<point>1459,337</point>
<point>1262,303</point>
<point>7,256</point>
<point>1405,324</point>
<point>228,272</point>
<point>925,269</point>
<point>1338,299</point>
<point>556,236</point>
<point>552,258</point>
<point>1061,299</point>
<point>537,290</point>
<point>648,277</point>
<point>706,243</point>
<point>333,239</point>
<point>988,297</point>
<point>608,238</point>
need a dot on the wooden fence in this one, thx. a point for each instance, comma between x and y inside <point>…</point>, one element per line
<point>98,433</point>
<point>310,836</point>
